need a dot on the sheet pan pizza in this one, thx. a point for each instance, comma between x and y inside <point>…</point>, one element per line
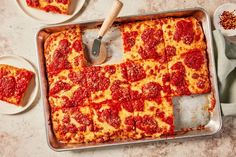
<point>132,100</point>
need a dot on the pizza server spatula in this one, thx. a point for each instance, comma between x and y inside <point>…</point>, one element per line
<point>99,53</point>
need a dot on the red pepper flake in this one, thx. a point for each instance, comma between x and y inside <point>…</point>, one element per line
<point>228,20</point>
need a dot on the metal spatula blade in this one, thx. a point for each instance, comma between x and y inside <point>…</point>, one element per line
<point>96,46</point>
<point>96,54</point>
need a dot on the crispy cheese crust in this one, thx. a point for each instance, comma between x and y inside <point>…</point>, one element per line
<point>55,6</point>
<point>14,83</point>
<point>131,100</point>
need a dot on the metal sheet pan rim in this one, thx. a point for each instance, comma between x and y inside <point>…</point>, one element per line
<point>135,141</point>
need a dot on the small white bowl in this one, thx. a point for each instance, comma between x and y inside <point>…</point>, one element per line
<point>231,34</point>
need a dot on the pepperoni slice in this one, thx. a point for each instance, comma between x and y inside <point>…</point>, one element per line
<point>201,84</point>
<point>152,37</point>
<point>66,118</point>
<point>170,52</point>
<point>80,96</point>
<point>130,123</point>
<point>97,82</point>
<point>133,71</point>
<point>120,91</point>
<point>184,31</point>
<point>110,116</point>
<point>194,59</point>
<point>148,53</point>
<point>178,79</point>
<point>60,61</point>
<point>129,39</point>
<point>7,86</point>
<point>128,106</point>
<point>77,45</point>
<point>83,119</point>
<point>22,81</point>
<point>111,69</point>
<point>151,90</point>
<point>147,124</point>
<point>78,78</point>
<point>62,1</point>
<point>32,3</point>
<point>59,86</point>
<point>51,8</point>
<point>138,105</point>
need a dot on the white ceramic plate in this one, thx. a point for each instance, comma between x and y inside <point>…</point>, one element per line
<point>32,91</point>
<point>50,18</point>
<point>216,19</point>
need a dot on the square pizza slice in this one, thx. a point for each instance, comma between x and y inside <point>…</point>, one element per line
<point>64,50</point>
<point>143,40</point>
<point>185,50</point>
<point>155,120</point>
<point>14,83</point>
<point>55,6</point>
<point>73,125</point>
<point>106,121</point>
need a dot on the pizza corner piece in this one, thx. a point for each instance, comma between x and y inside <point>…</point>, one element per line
<point>14,83</point>
<point>64,51</point>
<point>54,6</point>
<point>143,40</point>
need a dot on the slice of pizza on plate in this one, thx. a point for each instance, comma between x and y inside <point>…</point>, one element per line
<point>14,83</point>
<point>55,6</point>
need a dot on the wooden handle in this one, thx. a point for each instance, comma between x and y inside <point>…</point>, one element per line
<point>117,5</point>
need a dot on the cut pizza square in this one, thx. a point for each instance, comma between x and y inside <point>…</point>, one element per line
<point>14,83</point>
<point>106,121</point>
<point>143,40</point>
<point>55,6</point>
<point>155,120</point>
<point>183,33</point>
<point>186,55</point>
<point>73,125</point>
<point>63,51</point>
